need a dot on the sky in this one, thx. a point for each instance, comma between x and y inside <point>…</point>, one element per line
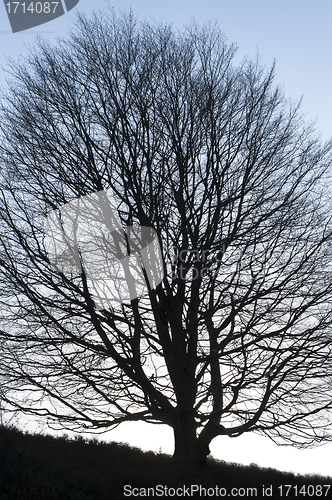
<point>298,35</point>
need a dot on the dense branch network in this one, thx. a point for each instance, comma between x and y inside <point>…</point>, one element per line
<point>237,337</point>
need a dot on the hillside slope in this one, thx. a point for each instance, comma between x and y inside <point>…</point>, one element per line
<point>36,467</point>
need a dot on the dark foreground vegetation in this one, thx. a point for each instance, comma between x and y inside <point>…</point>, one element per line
<point>36,467</point>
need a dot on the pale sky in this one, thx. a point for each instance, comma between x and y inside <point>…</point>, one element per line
<point>298,35</point>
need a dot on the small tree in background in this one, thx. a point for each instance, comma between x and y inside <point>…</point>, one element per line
<point>237,336</point>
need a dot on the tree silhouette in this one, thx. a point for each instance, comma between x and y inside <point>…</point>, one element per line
<point>211,156</point>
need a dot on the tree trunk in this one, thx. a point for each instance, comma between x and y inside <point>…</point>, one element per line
<point>187,446</point>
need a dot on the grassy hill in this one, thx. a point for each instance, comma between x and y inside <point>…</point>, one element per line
<point>36,467</point>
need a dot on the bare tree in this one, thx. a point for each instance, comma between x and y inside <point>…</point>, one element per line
<point>212,157</point>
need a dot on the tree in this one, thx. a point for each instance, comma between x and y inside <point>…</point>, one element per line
<point>211,156</point>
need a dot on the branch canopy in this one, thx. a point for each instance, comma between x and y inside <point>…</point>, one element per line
<point>201,296</point>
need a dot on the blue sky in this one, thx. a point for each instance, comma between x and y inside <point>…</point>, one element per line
<point>297,33</point>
